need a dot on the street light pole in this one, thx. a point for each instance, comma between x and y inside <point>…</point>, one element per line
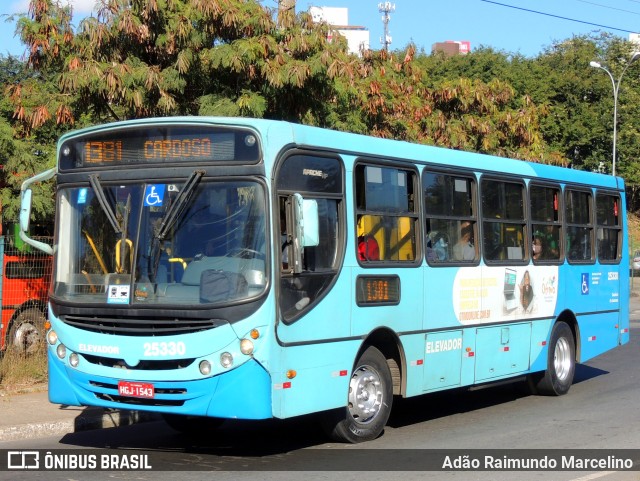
<point>616,89</point>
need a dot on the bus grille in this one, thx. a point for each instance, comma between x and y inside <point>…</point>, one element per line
<point>130,326</point>
<point>143,365</point>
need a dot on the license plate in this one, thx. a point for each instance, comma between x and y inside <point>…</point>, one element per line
<point>136,389</point>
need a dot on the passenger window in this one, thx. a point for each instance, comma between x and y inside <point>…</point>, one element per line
<point>386,214</point>
<point>451,220</point>
<point>609,230</point>
<point>579,213</point>
<point>546,223</point>
<point>503,221</point>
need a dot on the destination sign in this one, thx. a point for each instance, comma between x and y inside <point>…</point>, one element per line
<point>377,290</point>
<point>154,144</point>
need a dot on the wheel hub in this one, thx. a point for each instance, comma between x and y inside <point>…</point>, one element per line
<point>365,394</point>
<point>26,337</point>
<point>562,359</point>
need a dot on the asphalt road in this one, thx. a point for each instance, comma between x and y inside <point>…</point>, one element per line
<point>600,412</point>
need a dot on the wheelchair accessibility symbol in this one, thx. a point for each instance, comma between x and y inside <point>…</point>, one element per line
<point>154,195</point>
<point>584,285</point>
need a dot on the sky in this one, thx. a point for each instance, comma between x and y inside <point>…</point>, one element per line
<point>526,27</point>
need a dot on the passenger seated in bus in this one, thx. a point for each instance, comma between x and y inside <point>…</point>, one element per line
<point>368,249</point>
<point>537,248</point>
<point>440,250</point>
<point>463,250</point>
<point>431,255</point>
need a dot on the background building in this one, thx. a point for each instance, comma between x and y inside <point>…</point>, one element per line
<point>452,47</point>
<point>634,38</point>
<point>338,18</point>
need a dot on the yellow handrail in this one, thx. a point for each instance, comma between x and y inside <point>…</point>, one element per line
<point>180,260</point>
<point>95,251</point>
<point>118,244</point>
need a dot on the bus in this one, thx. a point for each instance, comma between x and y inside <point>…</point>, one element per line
<point>214,268</point>
<point>24,288</point>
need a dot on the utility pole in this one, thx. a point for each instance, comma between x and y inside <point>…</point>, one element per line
<point>385,8</point>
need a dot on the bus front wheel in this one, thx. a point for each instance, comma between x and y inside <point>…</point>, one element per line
<point>27,331</point>
<point>369,401</point>
<point>561,363</point>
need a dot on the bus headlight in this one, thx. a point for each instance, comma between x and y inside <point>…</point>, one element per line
<point>52,337</point>
<point>246,346</point>
<point>61,351</point>
<point>74,359</point>
<point>205,368</point>
<point>226,359</point>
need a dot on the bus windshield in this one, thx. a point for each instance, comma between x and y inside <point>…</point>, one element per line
<point>187,243</point>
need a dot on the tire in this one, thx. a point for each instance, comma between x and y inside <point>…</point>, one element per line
<point>27,331</point>
<point>193,426</point>
<point>561,363</point>
<point>369,401</point>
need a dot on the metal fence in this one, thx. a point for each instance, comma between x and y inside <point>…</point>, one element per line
<point>24,291</point>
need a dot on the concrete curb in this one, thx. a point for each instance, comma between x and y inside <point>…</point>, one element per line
<point>99,419</point>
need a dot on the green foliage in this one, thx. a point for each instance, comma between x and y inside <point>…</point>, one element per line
<point>399,96</point>
<point>21,158</point>
<point>234,58</point>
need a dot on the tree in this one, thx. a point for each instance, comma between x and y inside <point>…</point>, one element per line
<point>178,57</point>
<point>21,158</point>
<point>152,58</point>
<point>401,99</point>
<point>230,57</point>
<point>615,55</point>
<point>562,79</point>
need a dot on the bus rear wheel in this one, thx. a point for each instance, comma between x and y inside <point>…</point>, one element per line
<point>27,331</point>
<point>561,363</point>
<point>369,401</point>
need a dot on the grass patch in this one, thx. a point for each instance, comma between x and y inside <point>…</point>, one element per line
<point>21,372</point>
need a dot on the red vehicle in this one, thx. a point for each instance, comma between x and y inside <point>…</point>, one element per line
<point>24,287</point>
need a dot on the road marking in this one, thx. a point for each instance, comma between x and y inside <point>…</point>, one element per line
<point>589,477</point>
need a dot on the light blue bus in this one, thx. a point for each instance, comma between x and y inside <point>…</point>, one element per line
<point>215,268</point>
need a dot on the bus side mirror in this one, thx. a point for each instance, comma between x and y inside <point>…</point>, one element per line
<point>307,222</point>
<point>25,210</point>
<point>305,228</point>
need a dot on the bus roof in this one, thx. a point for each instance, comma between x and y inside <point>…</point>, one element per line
<point>281,133</point>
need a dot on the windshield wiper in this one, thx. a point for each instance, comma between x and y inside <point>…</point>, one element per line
<point>177,208</point>
<point>170,218</point>
<point>119,224</point>
<point>102,199</point>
